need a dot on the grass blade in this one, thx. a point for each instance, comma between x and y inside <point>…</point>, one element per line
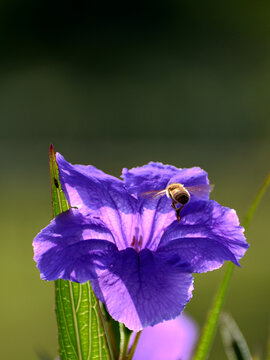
<point>234,342</point>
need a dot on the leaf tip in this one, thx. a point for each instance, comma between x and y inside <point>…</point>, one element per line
<point>52,152</point>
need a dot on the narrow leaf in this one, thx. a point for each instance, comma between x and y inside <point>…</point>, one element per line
<point>134,345</point>
<point>59,202</point>
<point>81,332</point>
<point>125,334</point>
<point>234,342</point>
<point>213,316</point>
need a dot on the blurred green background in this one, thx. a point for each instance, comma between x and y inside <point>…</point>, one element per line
<point>117,85</point>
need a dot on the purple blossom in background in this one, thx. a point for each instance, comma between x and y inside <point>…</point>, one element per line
<point>138,257</point>
<point>170,340</point>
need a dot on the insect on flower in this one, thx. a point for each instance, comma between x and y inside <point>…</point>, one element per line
<point>179,194</point>
<point>138,257</point>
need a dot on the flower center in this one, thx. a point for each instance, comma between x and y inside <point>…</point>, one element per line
<point>137,242</point>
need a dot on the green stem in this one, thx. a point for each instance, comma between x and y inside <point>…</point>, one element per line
<point>124,341</point>
<point>134,345</point>
<point>211,323</point>
<point>105,329</point>
<point>256,201</point>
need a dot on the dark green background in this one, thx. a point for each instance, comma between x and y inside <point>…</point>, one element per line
<point>117,85</point>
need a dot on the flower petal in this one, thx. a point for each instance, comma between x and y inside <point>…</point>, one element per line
<point>207,235</point>
<point>153,176</point>
<point>170,340</point>
<point>142,289</point>
<point>156,176</point>
<point>103,196</point>
<point>73,247</point>
<point>156,214</point>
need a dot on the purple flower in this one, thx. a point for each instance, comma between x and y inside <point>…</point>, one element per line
<point>170,340</point>
<point>136,254</point>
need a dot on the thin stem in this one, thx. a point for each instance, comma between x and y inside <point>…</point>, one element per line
<point>105,328</point>
<point>124,341</point>
<point>211,323</point>
<point>256,201</point>
<point>134,345</point>
<point>111,330</point>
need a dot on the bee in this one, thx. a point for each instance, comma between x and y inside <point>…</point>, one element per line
<point>179,194</point>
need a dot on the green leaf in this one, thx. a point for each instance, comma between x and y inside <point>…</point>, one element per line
<point>234,342</point>
<point>213,316</point>
<point>81,327</point>
<point>59,202</point>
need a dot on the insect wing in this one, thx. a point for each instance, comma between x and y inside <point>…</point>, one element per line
<point>200,191</point>
<point>154,194</point>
